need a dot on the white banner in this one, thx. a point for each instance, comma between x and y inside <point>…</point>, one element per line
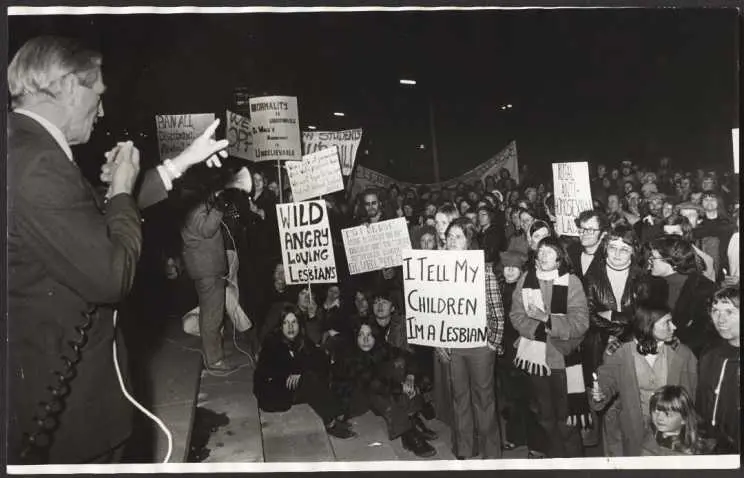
<point>346,141</point>
<point>376,246</point>
<point>317,174</point>
<point>307,250</point>
<point>445,298</point>
<point>275,125</point>
<point>506,158</point>
<point>735,139</point>
<point>239,135</point>
<point>177,132</point>
<point>573,195</point>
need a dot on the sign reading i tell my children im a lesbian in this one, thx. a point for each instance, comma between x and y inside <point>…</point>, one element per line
<point>573,195</point>
<point>371,247</point>
<point>275,125</point>
<point>445,298</point>
<point>307,250</point>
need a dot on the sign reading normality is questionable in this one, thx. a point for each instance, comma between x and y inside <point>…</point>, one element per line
<point>307,249</point>
<point>275,125</point>
<point>347,143</point>
<point>445,298</point>
<point>177,132</point>
<point>317,174</point>
<point>239,136</point>
<point>371,247</point>
<point>572,195</point>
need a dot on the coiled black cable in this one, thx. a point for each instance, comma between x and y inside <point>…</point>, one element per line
<point>36,445</point>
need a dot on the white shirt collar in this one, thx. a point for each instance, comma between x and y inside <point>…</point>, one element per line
<point>51,128</point>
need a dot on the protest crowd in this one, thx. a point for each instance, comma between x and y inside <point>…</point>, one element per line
<point>624,336</point>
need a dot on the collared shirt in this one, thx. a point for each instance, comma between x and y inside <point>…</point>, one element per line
<point>51,128</point>
<point>494,311</point>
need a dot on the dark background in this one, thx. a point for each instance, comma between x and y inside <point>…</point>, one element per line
<point>597,85</point>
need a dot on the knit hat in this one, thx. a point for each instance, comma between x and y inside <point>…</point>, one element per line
<point>513,258</point>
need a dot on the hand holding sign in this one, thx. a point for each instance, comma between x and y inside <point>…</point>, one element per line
<point>201,149</point>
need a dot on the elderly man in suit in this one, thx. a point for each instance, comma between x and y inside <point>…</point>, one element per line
<point>71,257</point>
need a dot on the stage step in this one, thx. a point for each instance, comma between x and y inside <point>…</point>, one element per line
<point>295,435</point>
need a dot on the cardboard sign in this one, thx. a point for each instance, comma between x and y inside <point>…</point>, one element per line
<point>735,139</point>
<point>239,135</point>
<point>572,195</point>
<point>445,298</point>
<point>177,132</point>
<point>347,143</point>
<point>307,250</point>
<point>317,174</point>
<point>376,246</point>
<point>275,125</point>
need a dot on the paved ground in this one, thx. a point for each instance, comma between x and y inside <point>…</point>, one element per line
<point>240,433</point>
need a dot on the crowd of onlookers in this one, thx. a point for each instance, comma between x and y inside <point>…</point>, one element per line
<point>625,337</point>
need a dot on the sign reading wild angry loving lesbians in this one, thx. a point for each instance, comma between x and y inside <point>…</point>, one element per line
<point>572,195</point>
<point>445,298</point>
<point>307,250</point>
<point>275,125</point>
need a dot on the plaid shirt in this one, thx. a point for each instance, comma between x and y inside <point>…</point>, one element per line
<point>494,312</point>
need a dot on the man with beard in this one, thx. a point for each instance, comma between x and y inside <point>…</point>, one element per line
<point>372,207</point>
<point>650,227</point>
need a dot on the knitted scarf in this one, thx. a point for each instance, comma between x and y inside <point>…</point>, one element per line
<point>531,353</point>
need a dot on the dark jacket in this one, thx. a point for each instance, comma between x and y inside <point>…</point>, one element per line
<point>64,253</point>
<point>574,250</point>
<point>690,314</point>
<point>726,429</point>
<point>278,360</point>
<point>599,298</point>
<point>492,241</point>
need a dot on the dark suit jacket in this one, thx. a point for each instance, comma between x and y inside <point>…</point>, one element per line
<point>64,253</point>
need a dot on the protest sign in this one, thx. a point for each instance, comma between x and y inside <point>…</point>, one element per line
<point>346,141</point>
<point>317,174</point>
<point>376,246</point>
<point>445,298</point>
<point>177,132</point>
<point>239,136</point>
<point>307,250</point>
<point>275,125</point>
<point>506,158</point>
<point>735,139</point>
<point>572,195</point>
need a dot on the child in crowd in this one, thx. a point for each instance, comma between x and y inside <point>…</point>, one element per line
<point>674,424</point>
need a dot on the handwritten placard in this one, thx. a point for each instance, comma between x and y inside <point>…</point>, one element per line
<point>177,132</point>
<point>347,143</point>
<point>376,246</point>
<point>307,250</point>
<point>317,174</point>
<point>572,195</point>
<point>275,125</point>
<point>239,136</point>
<point>445,298</point>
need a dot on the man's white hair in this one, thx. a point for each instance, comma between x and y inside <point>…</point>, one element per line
<point>40,64</point>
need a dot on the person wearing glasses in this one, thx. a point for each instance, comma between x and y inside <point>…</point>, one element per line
<point>593,226</point>
<point>611,298</point>
<point>677,282</point>
<point>69,250</point>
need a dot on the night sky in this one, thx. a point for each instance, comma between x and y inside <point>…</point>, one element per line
<point>598,85</point>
